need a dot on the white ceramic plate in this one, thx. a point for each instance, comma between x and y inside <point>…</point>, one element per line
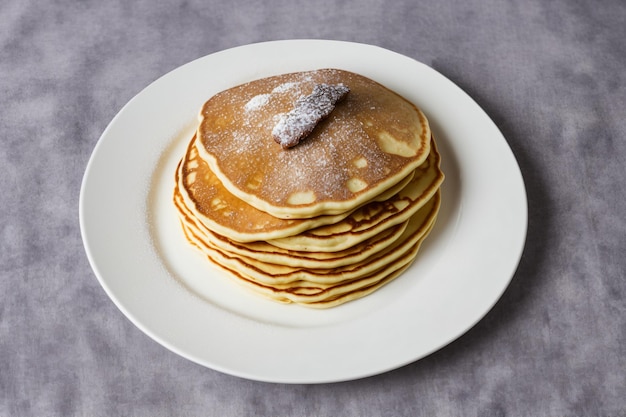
<point>137,250</point>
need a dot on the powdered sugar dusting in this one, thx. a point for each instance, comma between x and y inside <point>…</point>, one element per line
<point>284,87</point>
<point>256,102</point>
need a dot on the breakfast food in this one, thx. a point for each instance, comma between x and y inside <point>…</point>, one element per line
<point>313,188</point>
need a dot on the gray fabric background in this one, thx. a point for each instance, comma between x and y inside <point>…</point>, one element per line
<point>550,74</point>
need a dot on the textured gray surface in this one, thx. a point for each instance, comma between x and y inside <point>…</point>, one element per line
<point>550,74</point>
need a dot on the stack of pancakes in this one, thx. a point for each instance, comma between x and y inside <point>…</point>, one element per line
<point>324,222</point>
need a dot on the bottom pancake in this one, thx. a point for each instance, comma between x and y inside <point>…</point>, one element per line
<point>323,287</point>
<point>308,295</point>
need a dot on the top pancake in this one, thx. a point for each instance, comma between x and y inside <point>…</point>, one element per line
<point>371,140</point>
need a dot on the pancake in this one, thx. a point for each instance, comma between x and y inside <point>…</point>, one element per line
<point>319,218</point>
<point>372,140</point>
<point>266,252</point>
<point>218,210</point>
<point>327,295</point>
<point>279,275</point>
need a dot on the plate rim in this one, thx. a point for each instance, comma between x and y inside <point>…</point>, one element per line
<point>96,264</point>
